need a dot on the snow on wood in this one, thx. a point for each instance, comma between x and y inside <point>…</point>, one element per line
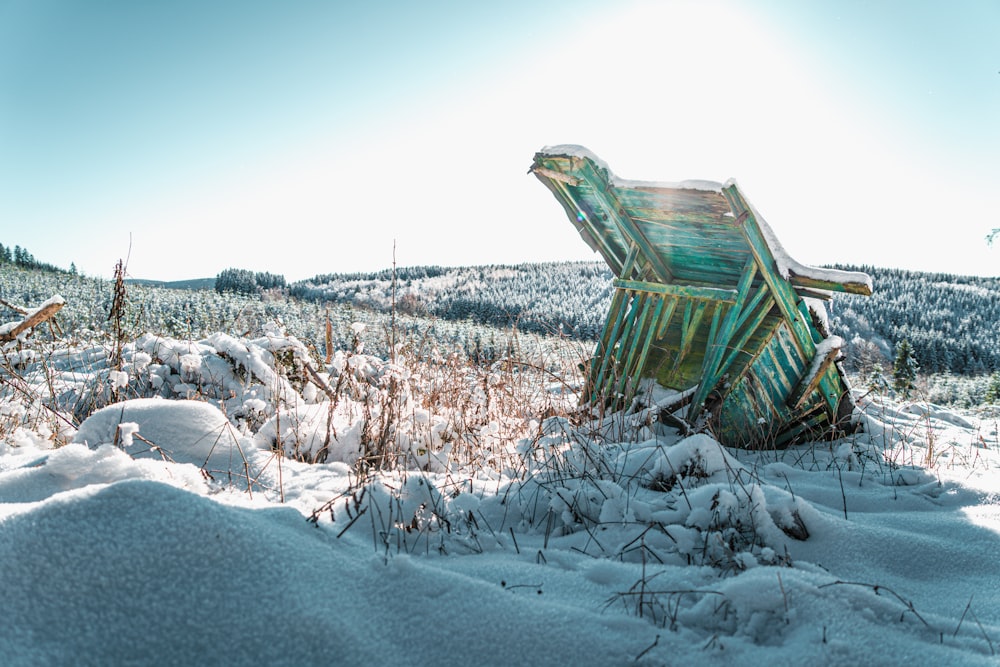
<point>705,295</point>
<point>12,330</point>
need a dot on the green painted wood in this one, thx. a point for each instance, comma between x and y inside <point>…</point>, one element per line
<point>652,325</point>
<point>750,311</point>
<point>665,318</point>
<point>856,286</point>
<point>773,364</point>
<point>605,341</point>
<point>617,314</point>
<point>620,351</point>
<point>802,425</point>
<point>570,200</point>
<point>689,310</point>
<point>810,382</point>
<point>684,291</point>
<point>643,304</point>
<point>609,206</point>
<point>719,339</point>
<point>628,268</point>
<point>757,312</point>
<point>692,318</point>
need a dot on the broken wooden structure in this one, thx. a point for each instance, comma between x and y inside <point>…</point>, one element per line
<point>707,303</point>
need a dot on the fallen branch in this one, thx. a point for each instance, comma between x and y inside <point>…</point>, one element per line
<point>47,310</point>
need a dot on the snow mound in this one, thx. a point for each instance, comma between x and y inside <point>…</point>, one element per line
<point>179,431</point>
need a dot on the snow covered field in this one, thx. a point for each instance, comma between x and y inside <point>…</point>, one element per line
<point>213,507</point>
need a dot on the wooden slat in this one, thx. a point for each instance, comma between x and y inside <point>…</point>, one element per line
<point>616,315</point>
<point>783,293</point>
<point>606,198</point>
<point>593,236</point>
<point>811,380</point>
<point>719,339</point>
<point>635,338</point>
<point>852,283</point>
<point>692,318</point>
<point>651,327</point>
<point>664,322</point>
<point>753,318</point>
<point>684,291</point>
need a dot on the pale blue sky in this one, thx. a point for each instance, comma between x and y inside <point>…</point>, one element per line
<point>308,137</point>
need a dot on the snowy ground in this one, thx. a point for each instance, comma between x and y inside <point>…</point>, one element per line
<point>170,531</point>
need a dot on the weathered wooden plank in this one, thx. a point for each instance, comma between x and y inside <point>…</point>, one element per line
<point>851,283</point>
<point>801,425</point>
<point>719,339</point>
<point>652,325</point>
<point>664,321</point>
<point>556,175</point>
<point>604,194</point>
<point>692,318</point>
<point>810,381</point>
<point>784,294</point>
<point>611,371</point>
<point>616,315</point>
<point>750,311</point>
<point>749,325</point>
<point>683,291</point>
<point>628,268</point>
<point>643,305</point>
<point>774,364</point>
<point>594,237</point>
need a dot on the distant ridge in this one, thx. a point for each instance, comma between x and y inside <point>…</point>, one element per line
<point>194,283</point>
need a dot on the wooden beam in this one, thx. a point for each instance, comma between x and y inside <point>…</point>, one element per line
<point>692,318</point>
<point>664,322</point>
<point>826,354</point>
<point>603,192</point>
<point>580,220</point>
<point>616,315</point>
<point>685,291</point>
<point>782,291</point>
<point>720,339</point>
<point>555,175</point>
<point>757,312</point>
<point>634,338</point>
<point>851,282</point>
<point>651,327</point>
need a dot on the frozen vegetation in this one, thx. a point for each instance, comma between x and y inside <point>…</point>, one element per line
<point>250,495</point>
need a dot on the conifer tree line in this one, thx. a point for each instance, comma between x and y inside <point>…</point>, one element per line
<point>19,256</point>
<point>243,281</point>
<point>951,323</point>
<point>567,298</point>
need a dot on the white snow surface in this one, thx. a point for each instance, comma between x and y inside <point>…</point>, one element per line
<point>642,547</point>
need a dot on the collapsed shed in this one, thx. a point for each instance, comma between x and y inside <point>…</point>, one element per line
<point>707,303</point>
